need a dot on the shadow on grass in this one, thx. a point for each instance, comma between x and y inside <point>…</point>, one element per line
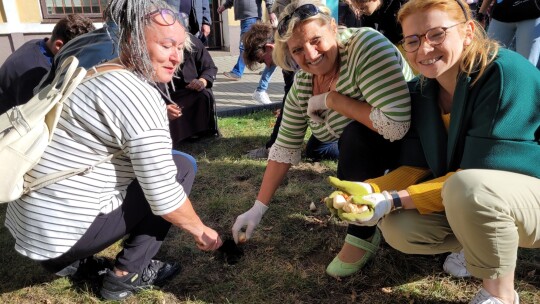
<point>16,271</point>
<point>286,259</point>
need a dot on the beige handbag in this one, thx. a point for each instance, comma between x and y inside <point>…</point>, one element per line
<point>26,130</point>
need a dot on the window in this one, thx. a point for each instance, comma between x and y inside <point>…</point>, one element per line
<point>56,9</point>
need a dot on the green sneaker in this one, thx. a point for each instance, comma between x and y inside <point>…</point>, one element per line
<point>339,269</point>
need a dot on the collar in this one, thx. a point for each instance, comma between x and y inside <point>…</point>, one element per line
<point>45,50</point>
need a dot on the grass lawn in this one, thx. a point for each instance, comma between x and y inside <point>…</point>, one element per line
<point>286,258</point>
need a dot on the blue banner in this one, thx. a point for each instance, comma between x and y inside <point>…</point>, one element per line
<point>333,5</point>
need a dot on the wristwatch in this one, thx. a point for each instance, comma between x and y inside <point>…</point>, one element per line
<point>396,201</point>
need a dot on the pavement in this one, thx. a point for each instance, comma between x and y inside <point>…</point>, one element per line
<point>234,97</point>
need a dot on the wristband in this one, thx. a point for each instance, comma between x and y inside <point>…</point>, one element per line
<point>396,200</point>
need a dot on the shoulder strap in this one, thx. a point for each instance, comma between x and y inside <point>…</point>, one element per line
<point>66,81</point>
<point>61,175</point>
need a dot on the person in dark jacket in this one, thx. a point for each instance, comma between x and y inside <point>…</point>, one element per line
<point>191,90</point>
<point>22,71</point>
<point>197,13</point>
<point>515,24</point>
<point>378,14</point>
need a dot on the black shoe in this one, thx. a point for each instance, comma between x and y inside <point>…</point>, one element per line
<point>89,268</point>
<point>156,274</point>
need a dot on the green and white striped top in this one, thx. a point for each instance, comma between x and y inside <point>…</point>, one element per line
<point>372,70</point>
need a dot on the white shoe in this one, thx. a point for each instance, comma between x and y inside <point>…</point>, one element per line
<point>456,266</point>
<point>261,97</point>
<point>484,297</point>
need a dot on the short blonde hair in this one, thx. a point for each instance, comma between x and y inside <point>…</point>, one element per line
<point>281,55</point>
<point>482,50</point>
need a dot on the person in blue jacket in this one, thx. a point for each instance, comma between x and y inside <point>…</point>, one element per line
<point>90,49</point>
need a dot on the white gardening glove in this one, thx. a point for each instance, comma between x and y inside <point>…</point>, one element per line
<point>317,104</point>
<point>250,218</point>
<point>382,205</point>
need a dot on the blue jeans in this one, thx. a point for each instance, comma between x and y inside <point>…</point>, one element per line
<point>526,32</point>
<point>265,78</point>
<point>318,150</point>
<point>188,157</point>
<point>245,25</point>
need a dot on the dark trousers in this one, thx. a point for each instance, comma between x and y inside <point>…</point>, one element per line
<point>288,78</point>
<point>364,154</point>
<point>134,218</point>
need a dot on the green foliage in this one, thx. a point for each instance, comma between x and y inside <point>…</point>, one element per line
<point>286,259</point>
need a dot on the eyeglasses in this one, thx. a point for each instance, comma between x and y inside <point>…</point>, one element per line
<point>163,16</point>
<point>303,12</point>
<point>434,37</point>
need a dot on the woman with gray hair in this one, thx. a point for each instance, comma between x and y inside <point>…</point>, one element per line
<point>352,89</point>
<point>136,195</point>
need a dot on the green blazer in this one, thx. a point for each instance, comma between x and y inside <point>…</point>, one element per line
<point>495,123</point>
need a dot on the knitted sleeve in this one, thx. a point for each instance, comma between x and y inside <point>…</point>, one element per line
<point>399,178</point>
<point>426,196</point>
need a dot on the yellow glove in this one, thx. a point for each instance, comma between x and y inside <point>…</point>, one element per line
<point>350,206</point>
<point>351,188</point>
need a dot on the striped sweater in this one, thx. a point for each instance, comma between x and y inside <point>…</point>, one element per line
<point>372,70</point>
<point>106,113</point>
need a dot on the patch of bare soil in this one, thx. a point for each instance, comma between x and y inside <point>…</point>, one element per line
<point>316,167</point>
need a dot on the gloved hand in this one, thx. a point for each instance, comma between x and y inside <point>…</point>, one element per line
<point>352,192</point>
<point>351,188</point>
<point>382,205</point>
<point>316,104</point>
<point>250,218</point>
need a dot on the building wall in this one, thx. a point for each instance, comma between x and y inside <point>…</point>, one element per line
<point>2,13</point>
<point>31,9</point>
<point>21,21</point>
<point>231,30</point>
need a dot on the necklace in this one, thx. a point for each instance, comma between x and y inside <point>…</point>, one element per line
<point>319,84</point>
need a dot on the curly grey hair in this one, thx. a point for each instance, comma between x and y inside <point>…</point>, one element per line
<point>131,18</point>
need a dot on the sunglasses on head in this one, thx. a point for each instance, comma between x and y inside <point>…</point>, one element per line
<point>163,16</point>
<point>302,12</point>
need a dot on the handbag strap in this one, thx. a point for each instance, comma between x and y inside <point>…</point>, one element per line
<point>70,86</point>
<point>52,178</point>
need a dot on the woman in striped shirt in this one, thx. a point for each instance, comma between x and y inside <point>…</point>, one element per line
<point>352,89</point>
<point>139,193</point>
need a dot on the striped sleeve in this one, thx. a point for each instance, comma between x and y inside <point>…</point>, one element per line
<point>140,125</point>
<point>152,162</point>
<point>377,70</point>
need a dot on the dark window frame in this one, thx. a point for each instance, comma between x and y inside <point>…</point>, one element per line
<point>68,7</point>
